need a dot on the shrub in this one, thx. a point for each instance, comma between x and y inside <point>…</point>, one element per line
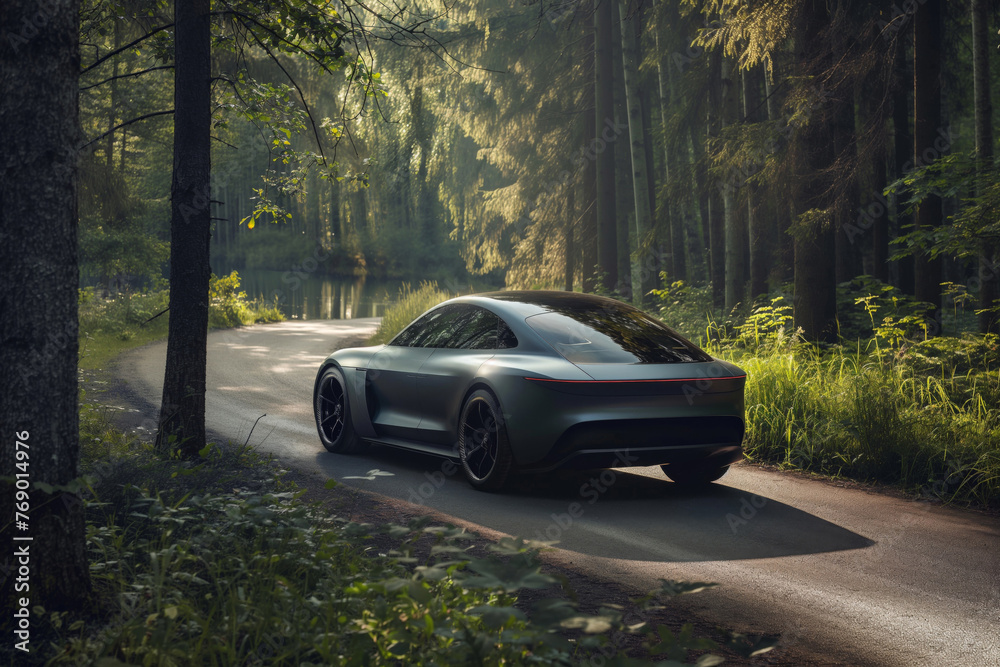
<point>410,305</point>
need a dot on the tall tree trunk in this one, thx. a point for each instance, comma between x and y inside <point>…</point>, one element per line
<point>569,248</point>
<point>989,259</point>
<point>848,258</point>
<point>716,206</point>
<point>38,327</point>
<point>880,222</point>
<point>604,135</point>
<point>758,236</point>
<point>589,233</point>
<point>182,413</point>
<point>702,237</point>
<point>640,182</point>
<point>624,211</point>
<point>815,280</point>
<point>673,216</point>
<point>903,158</point>
<point>735,233</point>
<point>926,126</point>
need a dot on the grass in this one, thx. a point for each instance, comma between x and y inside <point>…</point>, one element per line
<point>128,320</point>
<point>410,305</point>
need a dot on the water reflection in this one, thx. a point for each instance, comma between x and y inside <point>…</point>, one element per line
<point>317,297</point>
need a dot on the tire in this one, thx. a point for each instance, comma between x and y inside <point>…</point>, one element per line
<point>482,443</point>
<point>333,417</point>
<point>696,474</point>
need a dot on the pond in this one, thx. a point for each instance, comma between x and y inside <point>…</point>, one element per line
<point>310,296</point>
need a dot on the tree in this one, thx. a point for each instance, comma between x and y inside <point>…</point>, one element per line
<point>607,247</point>
<point>989,320</point>
<point>39,72</point>
<point>637,143</point>
<point>182,413</point>
<point>926,127</point>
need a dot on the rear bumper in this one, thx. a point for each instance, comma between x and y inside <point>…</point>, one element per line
<point>646,442</point>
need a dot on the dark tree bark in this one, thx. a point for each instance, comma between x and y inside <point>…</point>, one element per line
<point>604,135</point>
<point>903,152</point>
<point>989,275</point>
<point>568,240</point>
<point>182,414</point>
<point>815,285</point>
<point>588,231</point>
<point>756,220</point>
<point>624,202</point>
<point>39,66</point>
<point>735,233</point>
<point>880,224</point>
<point>926,128</point>
<point>716,208</point>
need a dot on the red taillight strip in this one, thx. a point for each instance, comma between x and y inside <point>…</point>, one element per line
<point>730,377</point>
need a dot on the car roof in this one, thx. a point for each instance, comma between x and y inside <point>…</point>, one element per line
<point>526,303</point>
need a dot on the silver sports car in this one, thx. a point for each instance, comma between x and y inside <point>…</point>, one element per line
<point>533,381</point>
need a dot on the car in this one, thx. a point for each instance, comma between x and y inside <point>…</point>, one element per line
<point>532,381</point>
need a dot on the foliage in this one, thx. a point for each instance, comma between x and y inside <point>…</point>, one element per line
<point>893,406</point>
<point>228,307</point>
<point>410,304</point>
<point>128,319</point>
<point>218,561</point>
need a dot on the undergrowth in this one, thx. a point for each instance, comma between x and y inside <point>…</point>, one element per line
<point>219,562</point>
<point>109,326</point>
<point>893,404</point>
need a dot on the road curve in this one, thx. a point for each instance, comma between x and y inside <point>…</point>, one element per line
<point>856,576</point>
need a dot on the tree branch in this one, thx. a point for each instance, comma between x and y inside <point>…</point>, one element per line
<point>125,76</point>
<point>125,124</point>
<point>128,46</point>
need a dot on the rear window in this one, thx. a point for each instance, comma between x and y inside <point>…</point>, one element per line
<point>620,335</point>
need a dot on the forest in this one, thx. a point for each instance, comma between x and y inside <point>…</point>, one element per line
<point>806,187</point>
<point>786,148</point>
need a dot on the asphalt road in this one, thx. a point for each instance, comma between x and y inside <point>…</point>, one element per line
<point>856,576</point>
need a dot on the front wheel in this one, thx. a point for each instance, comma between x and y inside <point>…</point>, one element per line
<point>482,443</point>
<point>694,474</point>
<point>333,417</point>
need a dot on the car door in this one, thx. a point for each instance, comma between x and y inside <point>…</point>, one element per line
<point>397,401</point>
<point>447,374</point>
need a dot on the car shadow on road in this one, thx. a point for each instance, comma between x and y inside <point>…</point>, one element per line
<point>620,513</point>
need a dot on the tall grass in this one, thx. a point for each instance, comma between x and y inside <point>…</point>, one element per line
<point>921,414</point>
<point>410,305</point>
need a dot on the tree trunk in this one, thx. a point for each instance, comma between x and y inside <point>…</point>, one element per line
<point>903,154</point>
<point>182,414</point>
<point>605,135</point>
<point>815,284</point>
<point>989,271</point>
<point>735,233</point>
<point>588,234</point>
<point>38,327</point>
<point>568,241</point>
<point>716,206</point>
<point>926,128</point>
<point>624,211</point>
<point>674,218</point>
<point>640,182</point>
<point>758,236</point>
<point>701,238</point>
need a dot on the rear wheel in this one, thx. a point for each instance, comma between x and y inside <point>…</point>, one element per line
<point>333,417</point>
<point>694,474</point>
<point>482,443</point>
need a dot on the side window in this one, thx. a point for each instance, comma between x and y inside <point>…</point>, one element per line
<point>477,331</point>
<point>458,326</point>
<point>436,328</point>
<point>406,337</point>
<point>505,337</point>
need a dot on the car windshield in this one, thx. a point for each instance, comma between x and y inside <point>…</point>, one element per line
<point>613,335</point>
